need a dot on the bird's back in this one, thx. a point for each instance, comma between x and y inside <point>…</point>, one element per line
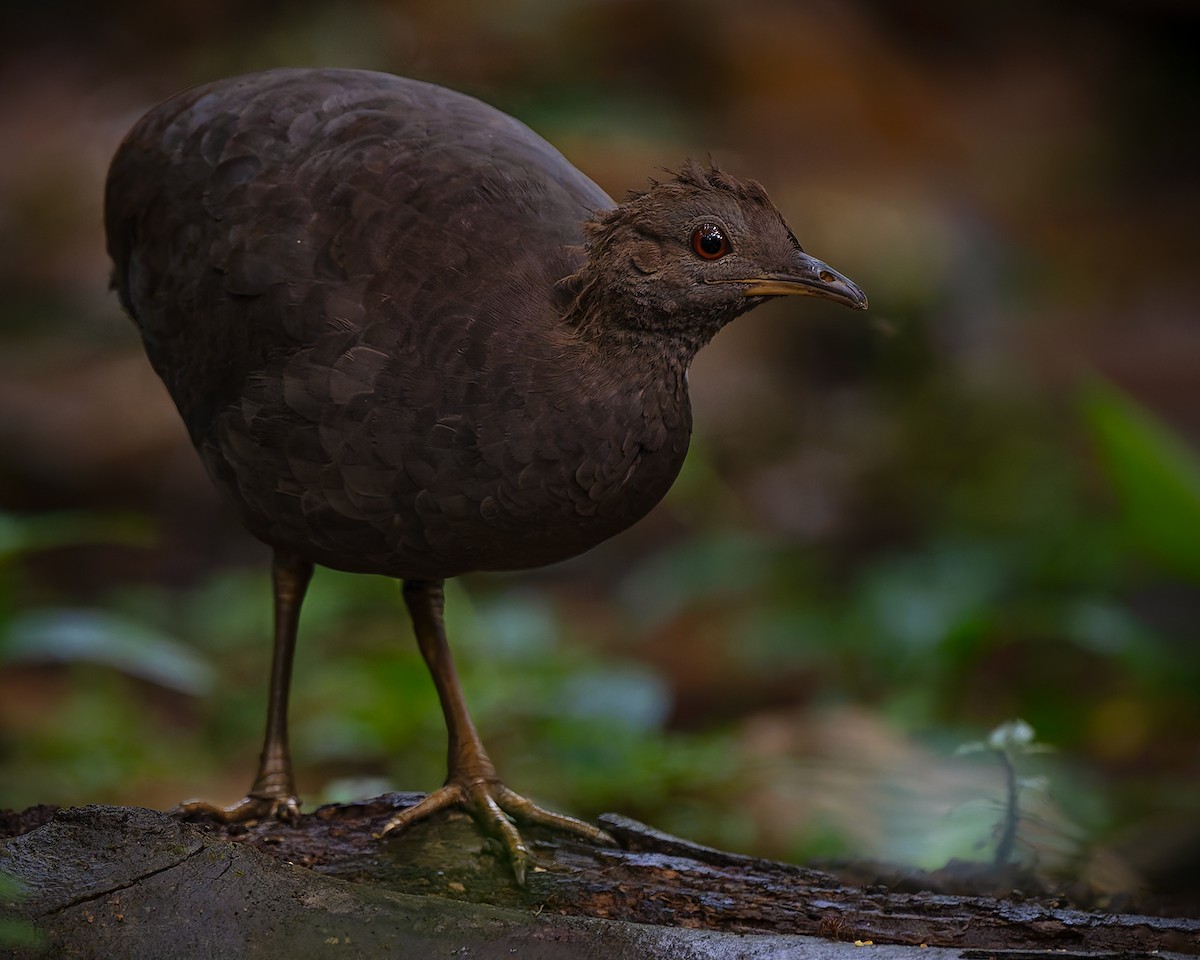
<point>248,214</point>
<point>351,284</point>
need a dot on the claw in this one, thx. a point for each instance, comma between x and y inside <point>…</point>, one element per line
<point>447,796</point>
<point>284,808</point>
<point>495,807</point>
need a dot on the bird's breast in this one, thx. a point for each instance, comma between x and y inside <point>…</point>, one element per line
<point>431,476</point>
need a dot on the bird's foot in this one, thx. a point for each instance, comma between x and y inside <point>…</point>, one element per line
<point>494,806</point>
<point>251,807</point>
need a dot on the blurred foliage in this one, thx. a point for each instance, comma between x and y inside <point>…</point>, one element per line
<point>888,538</point>
<point>1156,476</point>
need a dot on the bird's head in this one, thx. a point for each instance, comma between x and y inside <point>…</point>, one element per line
<point>680,260</point>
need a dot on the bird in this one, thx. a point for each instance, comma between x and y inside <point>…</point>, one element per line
<point>407,337</point>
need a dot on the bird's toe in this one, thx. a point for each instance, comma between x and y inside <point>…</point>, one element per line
<point>285,808</point>
<point>495,808</point>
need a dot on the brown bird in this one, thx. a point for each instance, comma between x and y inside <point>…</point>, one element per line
<point>407,337</point>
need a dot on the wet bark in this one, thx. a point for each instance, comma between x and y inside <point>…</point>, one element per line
<point>124,882</point>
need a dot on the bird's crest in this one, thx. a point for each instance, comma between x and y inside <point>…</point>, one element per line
<point>691,176</point>
<point>696,175</point>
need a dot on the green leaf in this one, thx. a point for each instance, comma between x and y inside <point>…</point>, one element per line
<point>28,533</point>
<point>96,636</point>
<point>1155,474</point>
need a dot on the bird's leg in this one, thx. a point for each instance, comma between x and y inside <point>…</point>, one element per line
<point>472,782</point>
<point>273,793</point>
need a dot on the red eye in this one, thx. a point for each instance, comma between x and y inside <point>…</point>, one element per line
<point>709,242</point>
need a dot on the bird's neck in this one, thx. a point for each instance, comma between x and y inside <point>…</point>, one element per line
<point>661,340</point>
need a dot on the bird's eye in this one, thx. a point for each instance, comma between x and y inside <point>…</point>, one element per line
<point>709,242</point>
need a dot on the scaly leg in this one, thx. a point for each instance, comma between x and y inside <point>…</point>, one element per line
<point>472,782</point>
<point>273,793</point>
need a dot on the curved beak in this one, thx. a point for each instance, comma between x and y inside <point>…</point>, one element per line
<point>807,277</point>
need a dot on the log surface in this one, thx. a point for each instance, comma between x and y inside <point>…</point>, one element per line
<point>125,882</point>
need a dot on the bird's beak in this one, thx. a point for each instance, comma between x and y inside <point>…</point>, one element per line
<point>809,277</point>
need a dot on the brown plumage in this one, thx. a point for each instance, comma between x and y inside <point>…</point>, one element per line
<point>408,337</point>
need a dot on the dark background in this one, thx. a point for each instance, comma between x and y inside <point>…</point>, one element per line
<point>977,502</point>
